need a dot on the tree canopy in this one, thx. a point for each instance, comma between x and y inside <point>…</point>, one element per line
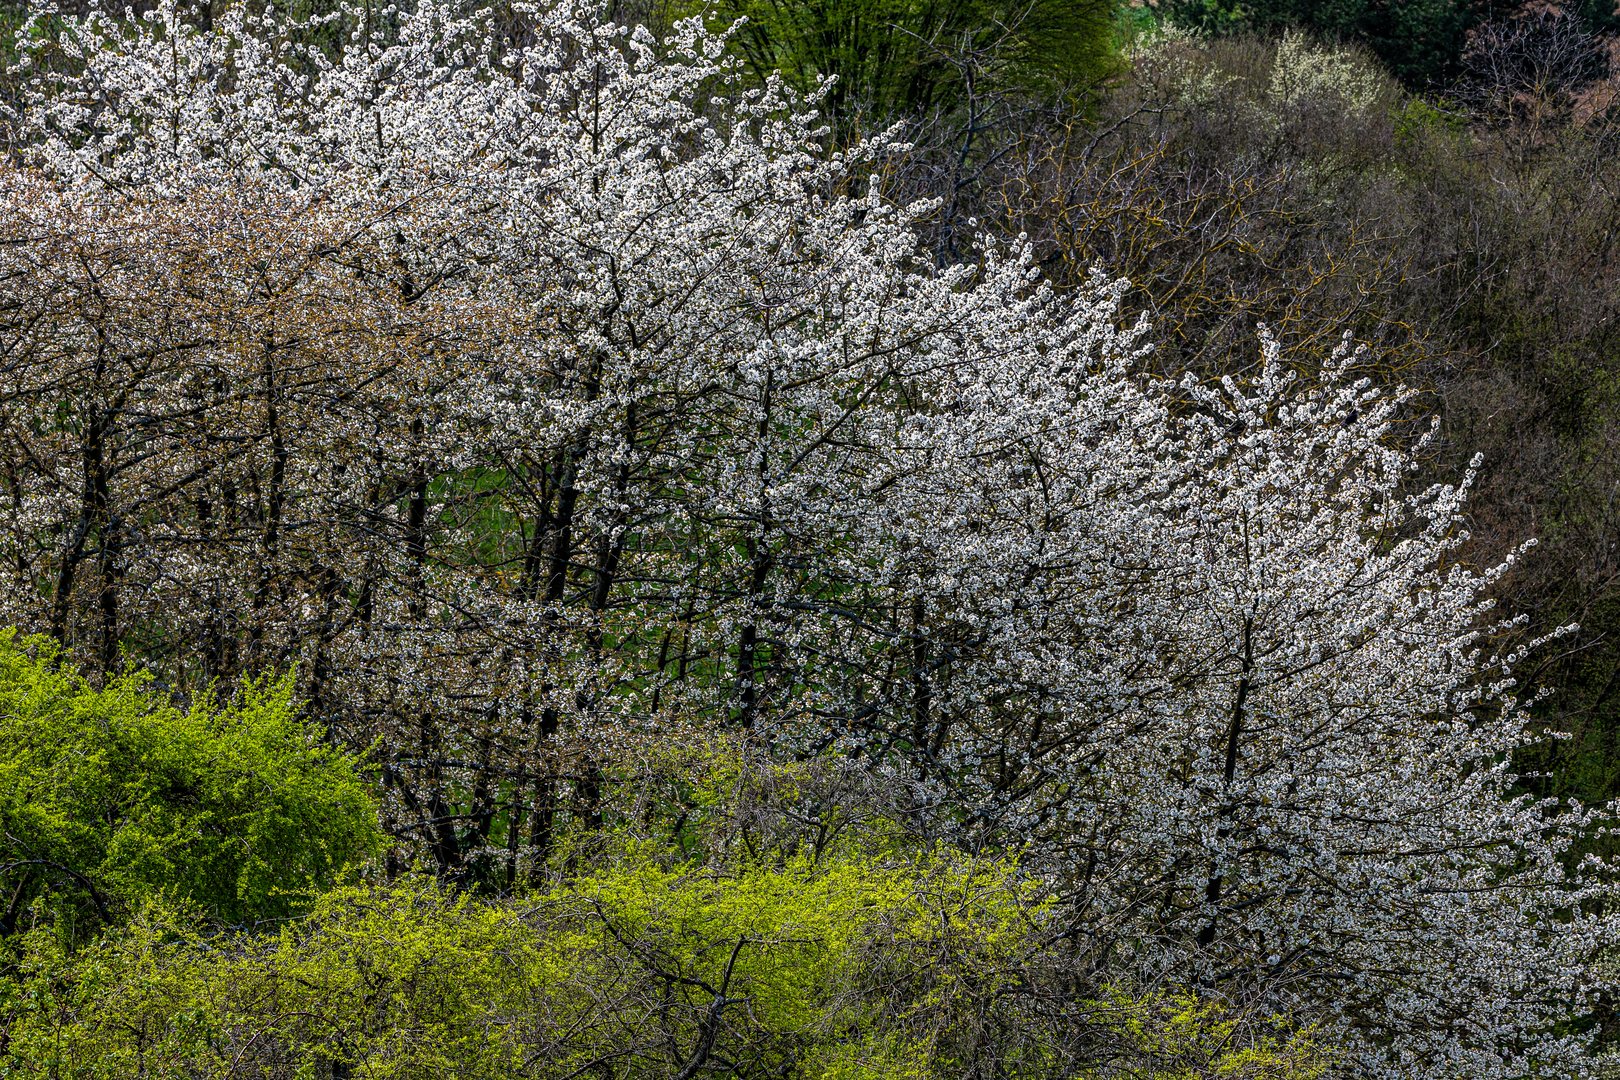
<point>550,394</point>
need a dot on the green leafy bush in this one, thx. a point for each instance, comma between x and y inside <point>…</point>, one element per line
<point>856,966</point>
<point>110,797</point>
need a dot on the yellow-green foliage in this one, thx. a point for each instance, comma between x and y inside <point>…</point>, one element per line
<point>1182,1037</point>
<point>848,967</point>
<point>112,796</point>
<point>746,919</point>
<point>623,969</point>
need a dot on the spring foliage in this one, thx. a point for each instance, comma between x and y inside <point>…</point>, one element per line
<point>114,797</point>
<point>551,396</point>
<point>865,958</point>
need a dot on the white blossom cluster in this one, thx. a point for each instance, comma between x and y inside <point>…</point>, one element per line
<point>543,392</point>
<point>1302,71</point>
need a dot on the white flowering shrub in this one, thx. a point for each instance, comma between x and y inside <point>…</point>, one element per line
<point>1301,71</point>
<point>545,393</point>
<point>1167,57</point>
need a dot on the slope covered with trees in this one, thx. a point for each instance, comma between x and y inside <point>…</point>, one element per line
<point>805,614</point>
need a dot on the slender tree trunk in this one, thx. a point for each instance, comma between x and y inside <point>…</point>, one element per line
<point>1234,734</point>
<point>92,492</point>
<point>275,498</point>
<point>759,559</point>
<point>542,814</point>
<point>922,690</point>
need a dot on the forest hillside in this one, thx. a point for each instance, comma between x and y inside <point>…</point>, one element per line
<point>839,540</point>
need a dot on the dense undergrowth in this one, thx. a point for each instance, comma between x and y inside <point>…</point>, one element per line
<point>214,913</point>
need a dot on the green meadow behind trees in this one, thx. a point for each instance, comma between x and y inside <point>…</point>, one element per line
<point>552,540</point>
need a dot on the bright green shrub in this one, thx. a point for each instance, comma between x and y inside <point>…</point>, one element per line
<point>637,972</point>
<point>851,967</point>
<point>110,797</point>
